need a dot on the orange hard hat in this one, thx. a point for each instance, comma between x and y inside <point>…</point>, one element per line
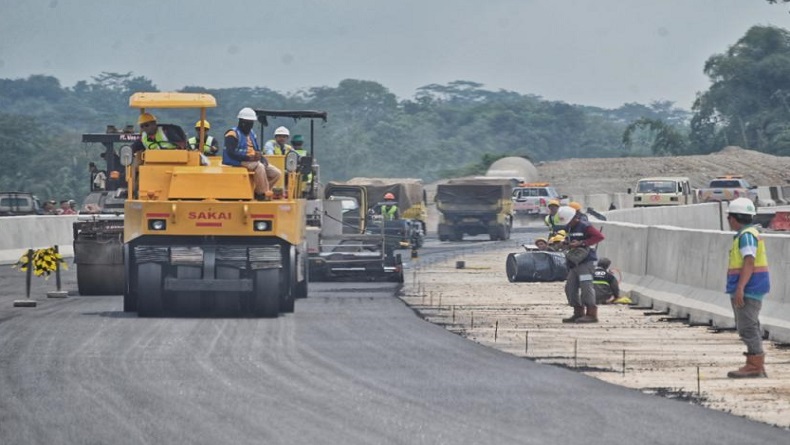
<point>389,196</point>
<point>575,205</point>
<point>115,174</point>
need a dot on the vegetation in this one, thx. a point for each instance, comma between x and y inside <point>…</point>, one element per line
<point>445,130</point>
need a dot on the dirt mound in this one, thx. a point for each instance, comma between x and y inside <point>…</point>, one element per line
<point>611,175</point>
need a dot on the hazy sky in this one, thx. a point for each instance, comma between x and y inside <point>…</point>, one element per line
<point>592,52</point>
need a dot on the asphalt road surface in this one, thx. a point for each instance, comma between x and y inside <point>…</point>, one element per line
<point>352,365</point>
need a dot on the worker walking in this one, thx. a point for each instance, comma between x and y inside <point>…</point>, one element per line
<point>241,148</point>
<point>279,145</point>
<point>210,146</point>
<point>389,208</point>
<point>748,282</point>
<point>581,264</point>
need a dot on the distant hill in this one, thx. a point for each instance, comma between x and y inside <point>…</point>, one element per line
<point>610,175</point>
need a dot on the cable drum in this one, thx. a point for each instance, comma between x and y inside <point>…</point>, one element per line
<point>529,267</point>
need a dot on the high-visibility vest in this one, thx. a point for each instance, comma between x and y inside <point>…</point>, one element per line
<point>241,149</point>
<point>283,150</point>
<point>193,141</point>
<point>158,142</point>
<point>389,211</point>
<point>760,282</point>
<point>553,223</point>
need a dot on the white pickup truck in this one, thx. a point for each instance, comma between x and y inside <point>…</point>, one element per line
<point>727,188</point>
<point>532,198</point>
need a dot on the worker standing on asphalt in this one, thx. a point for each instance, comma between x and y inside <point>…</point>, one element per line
<point>748,282</point>
<point>581,236</point>
<point>551,220</point>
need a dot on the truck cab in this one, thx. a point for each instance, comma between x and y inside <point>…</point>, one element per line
<point>532,198</point>
<point>663,191</point>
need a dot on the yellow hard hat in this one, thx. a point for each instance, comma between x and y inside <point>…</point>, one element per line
<point>561,233</point>
<point>557,239</point>
<point>203,124</point>
<point>146,117</point>
<point>575,205</point>
<point>554,202</point>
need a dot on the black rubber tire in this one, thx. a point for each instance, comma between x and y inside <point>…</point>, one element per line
<point>100,279</point>
<point>149,290</point>
<point>129,294</point>
<point>266,293</point>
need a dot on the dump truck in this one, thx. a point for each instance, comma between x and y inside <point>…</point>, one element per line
<point>98,231</point>
<point>475,206</point>
<point>195,238</point>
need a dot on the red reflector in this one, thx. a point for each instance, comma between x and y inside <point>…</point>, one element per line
<point>262,215</point>
<point>157,215</point>
<point>209,224</point>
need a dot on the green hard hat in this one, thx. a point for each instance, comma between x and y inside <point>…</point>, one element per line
<point>297,138</point>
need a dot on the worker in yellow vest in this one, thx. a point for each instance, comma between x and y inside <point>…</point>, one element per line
<point>210,146</point>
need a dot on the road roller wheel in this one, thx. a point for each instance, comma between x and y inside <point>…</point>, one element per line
<point>266,293</point>
<point>149,289</point>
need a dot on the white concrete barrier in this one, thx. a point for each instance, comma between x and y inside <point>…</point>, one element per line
<point>20,233</point>
<point>684,271</point>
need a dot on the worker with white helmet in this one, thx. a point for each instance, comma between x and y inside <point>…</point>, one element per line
<point>242,149</point>
<point>581,235</point>
<point>748,282</point>
<point>278,145</point>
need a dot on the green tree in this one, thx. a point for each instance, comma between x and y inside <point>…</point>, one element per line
<point>663,139</point>
<point>748,102</point>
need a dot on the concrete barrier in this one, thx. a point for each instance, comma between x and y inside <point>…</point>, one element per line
<point>19,233</point>
<point>684,271</point>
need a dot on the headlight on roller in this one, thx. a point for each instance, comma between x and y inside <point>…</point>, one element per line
<point>262,226</point>
<point>157,224</point>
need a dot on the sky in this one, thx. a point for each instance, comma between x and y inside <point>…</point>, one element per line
<point>592,52</point>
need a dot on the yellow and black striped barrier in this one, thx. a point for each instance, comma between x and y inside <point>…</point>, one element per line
<point>41,262</point>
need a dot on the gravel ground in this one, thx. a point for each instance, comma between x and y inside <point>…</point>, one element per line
<point>611,175</point>
<point>663,357</point>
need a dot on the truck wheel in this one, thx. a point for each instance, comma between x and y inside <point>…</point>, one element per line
<point>149,289</point>
<point>266,293</point>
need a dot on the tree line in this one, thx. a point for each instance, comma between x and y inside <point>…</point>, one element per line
<point>443,131</point>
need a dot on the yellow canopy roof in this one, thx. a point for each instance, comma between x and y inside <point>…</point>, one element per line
<point>172,100</point>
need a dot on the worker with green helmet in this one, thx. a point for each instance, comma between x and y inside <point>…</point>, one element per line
<point>210,146</point>
<point>298,144</point>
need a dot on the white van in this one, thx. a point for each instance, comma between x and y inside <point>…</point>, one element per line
<point>663,191</point>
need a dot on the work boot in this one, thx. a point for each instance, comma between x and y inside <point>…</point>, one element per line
<point>578,312</point>
<point>754,367</point>
<point>590,317</point>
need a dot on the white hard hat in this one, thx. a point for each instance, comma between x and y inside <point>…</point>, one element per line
<point>565,214</point>
<point>247,114</point>
<point>743,206</point>
<point>282,131</point>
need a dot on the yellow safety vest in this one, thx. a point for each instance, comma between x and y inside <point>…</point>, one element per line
<point>206,145</point>
<point>159,141</point>
<point>759,283</point>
